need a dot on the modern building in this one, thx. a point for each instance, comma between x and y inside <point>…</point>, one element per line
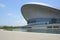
<point>41,16</point>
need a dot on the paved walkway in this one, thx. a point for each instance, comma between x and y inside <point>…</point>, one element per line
<point>12,35</point>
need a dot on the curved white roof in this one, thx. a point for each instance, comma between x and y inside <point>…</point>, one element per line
<point>39,4</point>
<point>30,10</point>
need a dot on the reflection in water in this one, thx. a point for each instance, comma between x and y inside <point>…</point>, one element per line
<point>57,31</point>
<point>20,29</point>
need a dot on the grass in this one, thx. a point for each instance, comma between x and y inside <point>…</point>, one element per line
<point>9,27</point>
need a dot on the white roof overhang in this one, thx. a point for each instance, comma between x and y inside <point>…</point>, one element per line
<point>29,8</point>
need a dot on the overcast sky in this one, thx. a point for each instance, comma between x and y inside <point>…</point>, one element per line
<point>10,11</point>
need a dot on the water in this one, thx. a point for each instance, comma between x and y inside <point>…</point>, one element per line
<point>56,31</point>
<point>20,29</point>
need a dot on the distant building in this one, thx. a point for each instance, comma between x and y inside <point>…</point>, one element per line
<point>39,15</point>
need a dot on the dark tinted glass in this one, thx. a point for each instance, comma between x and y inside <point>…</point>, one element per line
<point>44,20</point>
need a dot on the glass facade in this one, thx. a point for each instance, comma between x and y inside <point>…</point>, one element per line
<point>44,20</point>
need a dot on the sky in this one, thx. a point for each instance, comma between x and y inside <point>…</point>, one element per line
<point>10,11</point>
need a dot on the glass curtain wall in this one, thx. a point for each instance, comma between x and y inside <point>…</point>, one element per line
<point>44,20</point>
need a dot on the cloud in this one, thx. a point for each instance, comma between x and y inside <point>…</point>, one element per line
<point>2,5</point>
<point>21,22</point>
<point>9,14</point>
<point>12,15</point>
<point>15,16</point>
<point>17,21</point>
